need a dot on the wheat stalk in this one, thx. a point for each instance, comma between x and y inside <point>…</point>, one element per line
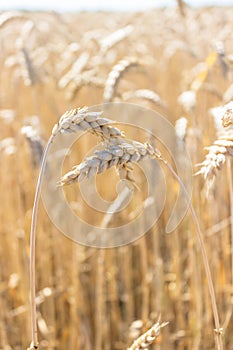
<point>92,165</point>
<point>148,338</point>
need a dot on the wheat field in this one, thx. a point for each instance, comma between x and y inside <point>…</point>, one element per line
<point>152,293</point>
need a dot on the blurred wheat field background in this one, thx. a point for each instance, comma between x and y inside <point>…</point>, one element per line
<point>175,61</point>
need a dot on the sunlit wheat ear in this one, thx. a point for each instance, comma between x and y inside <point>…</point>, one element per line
<point>188,100</point>
<point>81,119</point>
<point>227,118</point>
<point>35,142</point>
<point>181,128</point>
<point>148,338</point>
<point>220,149</point>
<point>144,94</point>
<point>75,70</point>
<point>114,38</point>
<point>117,71</point>
<point>120,154</point>
<point>87,78</point>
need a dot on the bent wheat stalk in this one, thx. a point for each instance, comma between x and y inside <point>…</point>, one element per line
<point>118,154</point>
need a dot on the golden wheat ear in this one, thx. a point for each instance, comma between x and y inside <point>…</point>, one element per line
<point>148,338</point>
<point>220,149</point>
<point>120,153</point>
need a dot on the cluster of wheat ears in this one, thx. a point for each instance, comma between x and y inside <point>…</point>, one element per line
<point>86,298</point>
<point>121,153</point>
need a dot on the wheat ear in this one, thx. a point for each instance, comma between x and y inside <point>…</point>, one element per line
<point>145,94</point>
<point>35,142</point>
<point>220,149</point>
<point>114,76</point>
<point>148,338</point>
<point>121,155</point>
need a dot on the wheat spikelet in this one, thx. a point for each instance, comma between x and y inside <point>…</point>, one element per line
<point>227,117</point>
<point>117,71</point>
<point>148,338</point>
<point>217,153</point>
<point>187,100</point>
<point>75,70</point>
<point>8,146</point>
<point>120,154</point>
<point>7,115</point>
<point>84,120</point>
<point>143,94</point>
<point>221,148</point>
<point>35,142</point>
<point>181,128</point>
<point>114,38</point>
<point>86,78</point>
